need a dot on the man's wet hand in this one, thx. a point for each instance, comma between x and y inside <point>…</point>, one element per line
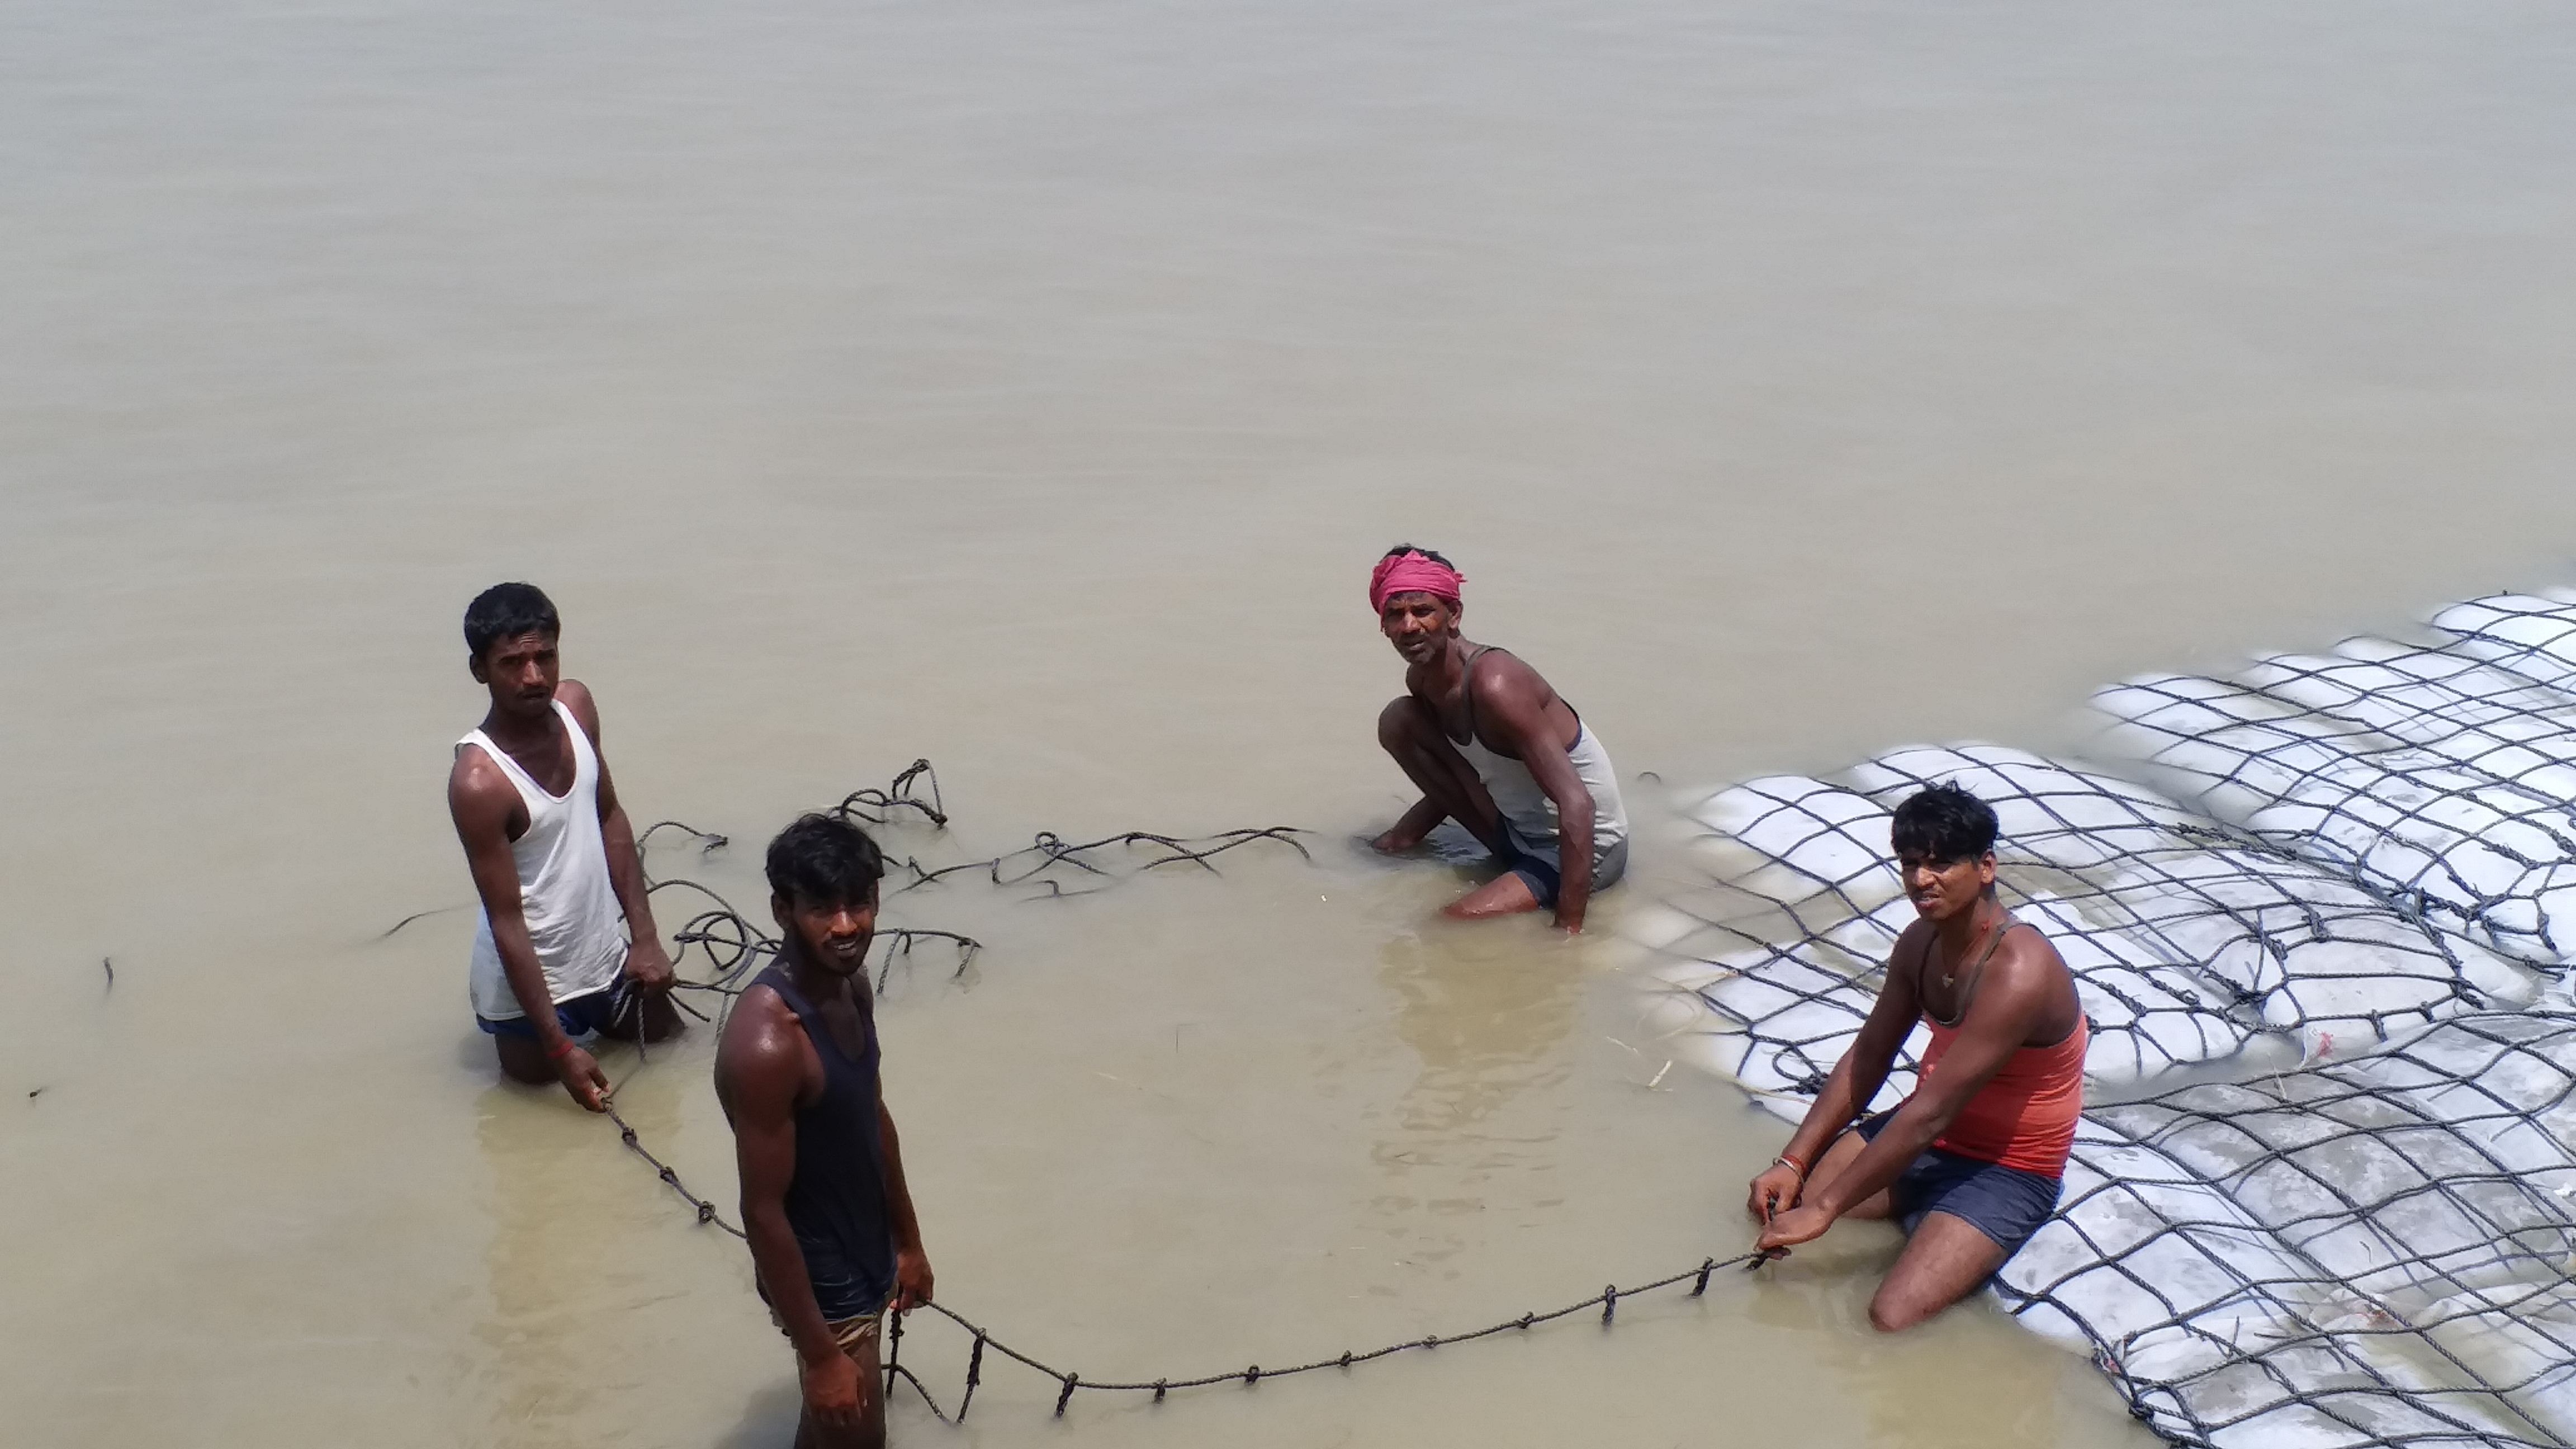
<point>1775,1192</point>
<point>649,966</point>
<point>1787,1230</point>
<point>832,1388</point>
<point>581,1076</point>
<point>911,1279</point>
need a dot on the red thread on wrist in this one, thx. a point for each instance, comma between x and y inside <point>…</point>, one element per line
<point>561,1052</point>
<point>1785,1160</point>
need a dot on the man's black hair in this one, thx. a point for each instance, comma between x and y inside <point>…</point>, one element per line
<point>824,860</point>
<point>506,611</point>
<point>1944,823</point>
<point>1433,554</point>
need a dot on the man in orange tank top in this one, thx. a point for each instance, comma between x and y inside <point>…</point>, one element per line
<point>1969,1164</point>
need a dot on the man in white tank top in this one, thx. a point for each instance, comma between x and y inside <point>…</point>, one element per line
<point>553,859</point>
<point>1492,747</point>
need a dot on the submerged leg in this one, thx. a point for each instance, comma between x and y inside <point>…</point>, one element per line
<point>1945,1261</point>
<point>522,1060</point>
<point>870,1431</point>
<point>1505,895</point>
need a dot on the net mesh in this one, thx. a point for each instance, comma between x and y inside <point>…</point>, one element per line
<point>2322,1195</point>
<point>2191,943</point>
<point>2365,1252</point>
<point>2439,777</point>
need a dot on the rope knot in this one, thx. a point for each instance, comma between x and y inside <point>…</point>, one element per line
<point>1252,1375</point>
<point>706,1212</point>
<point>1161,1386</point>
<point>1066,1397</point>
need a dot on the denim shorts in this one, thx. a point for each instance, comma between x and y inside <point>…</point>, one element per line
<point>2006,1204</point>
<point>579,1016</point>
<point>1540,874</point>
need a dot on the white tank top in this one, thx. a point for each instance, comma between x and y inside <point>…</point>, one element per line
<point>1527,812</point>
<point>564,891</point>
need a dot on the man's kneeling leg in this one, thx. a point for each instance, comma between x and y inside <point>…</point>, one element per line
<point>1945,1259</point>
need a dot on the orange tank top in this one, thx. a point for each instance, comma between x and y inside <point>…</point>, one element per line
<point>2024,1116</point>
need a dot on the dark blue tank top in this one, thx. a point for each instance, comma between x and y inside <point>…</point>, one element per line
<point>837,1202</point>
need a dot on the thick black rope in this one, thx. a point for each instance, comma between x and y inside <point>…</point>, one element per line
<point>1607,1300</point>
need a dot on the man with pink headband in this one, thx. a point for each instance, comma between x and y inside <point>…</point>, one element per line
<point>1492,747</point>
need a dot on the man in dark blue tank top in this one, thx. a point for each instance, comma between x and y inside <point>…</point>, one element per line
<point>833,1239</point>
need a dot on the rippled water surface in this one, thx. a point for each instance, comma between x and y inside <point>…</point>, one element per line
<point>1029,386</point>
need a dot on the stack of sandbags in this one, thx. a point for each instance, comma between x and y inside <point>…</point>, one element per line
<point>2370,1251</point>
<point>2188,943</point>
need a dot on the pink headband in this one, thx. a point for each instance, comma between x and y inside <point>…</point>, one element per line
<point>1412,573</point>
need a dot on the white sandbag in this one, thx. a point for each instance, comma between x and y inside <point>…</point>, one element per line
<point>2482,855</point>
<point>2532,635</point>
<point>2479,717</point>
<point>2186,949</point>
<point>2355,1253</point>
<point>2152,891</point>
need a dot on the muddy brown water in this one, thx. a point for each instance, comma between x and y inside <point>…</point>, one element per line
<point>1029,386</point>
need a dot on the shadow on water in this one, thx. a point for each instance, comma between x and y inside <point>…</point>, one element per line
<point>768,1418</point>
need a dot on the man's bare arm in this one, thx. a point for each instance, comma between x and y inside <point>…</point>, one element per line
<point>480,799</point>
<point>1515,700</point>
<point>646,960</point>
<point>762,1066</point>
<point>2012,998</point>
<point>912,1280</point>
<point>1852,1085</point>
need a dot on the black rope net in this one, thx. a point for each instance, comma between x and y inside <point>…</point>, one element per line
<point>2191,943</point>
<point>2323,1194</point>
<point>2444,777</point>
<point>2373,1251</point>
<point>729,949</point>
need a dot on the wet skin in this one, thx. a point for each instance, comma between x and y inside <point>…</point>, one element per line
<point>2023,997</point>
<point>1516,715</point>
<point>522,676</point>
<point>767,1069</point>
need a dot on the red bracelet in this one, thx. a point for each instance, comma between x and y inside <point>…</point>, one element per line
<point>561,1052</point>
<point>1785,1160</point>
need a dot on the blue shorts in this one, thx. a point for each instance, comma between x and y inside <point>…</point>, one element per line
<point>2006,1204</point>
<point>579,1016</point>
<point>1542,877</point>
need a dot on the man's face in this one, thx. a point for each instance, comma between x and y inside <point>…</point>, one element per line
<point>1419,625</point>
<point>1941,889</point>
<point>521,671</point>
<point>835,934</point>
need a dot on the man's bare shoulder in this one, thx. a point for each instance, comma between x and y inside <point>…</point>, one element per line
<point>2029,949</point>
<point>476,780</point>
<point>763,1050</point>
<point>2025,972</point>
<point>576,696</point>
<point>1505,685</point>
